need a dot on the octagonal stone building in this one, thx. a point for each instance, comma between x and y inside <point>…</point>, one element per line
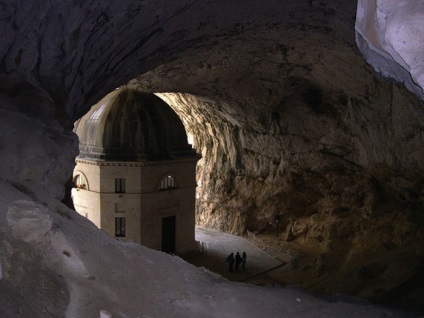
<point>135,176</point>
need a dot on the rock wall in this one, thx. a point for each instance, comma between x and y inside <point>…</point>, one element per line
<point>302,138</point>
<point>390,36</point>
<point>314,136</point>
<point>345,176</point>
<point>35,144</point>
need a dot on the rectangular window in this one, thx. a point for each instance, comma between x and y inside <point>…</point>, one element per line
<point>120,227</point>
<point>119,185</point>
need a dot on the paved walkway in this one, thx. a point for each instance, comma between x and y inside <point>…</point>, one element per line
<point>216,246</point>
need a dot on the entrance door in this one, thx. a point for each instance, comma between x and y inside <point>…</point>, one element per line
<point>168,234</point>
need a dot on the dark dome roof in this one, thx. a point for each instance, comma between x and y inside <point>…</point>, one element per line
<point>128,125</point>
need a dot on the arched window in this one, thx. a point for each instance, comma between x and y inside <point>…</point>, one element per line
<point>167,183</point>
<point>80,182</point>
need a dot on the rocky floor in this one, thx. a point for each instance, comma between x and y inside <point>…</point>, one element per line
<point>215,246</point>
<point>305,269</point>
<point>274,261</point>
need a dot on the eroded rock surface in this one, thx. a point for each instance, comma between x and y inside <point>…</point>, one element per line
<point>311,135</point>
<point>391,36</point>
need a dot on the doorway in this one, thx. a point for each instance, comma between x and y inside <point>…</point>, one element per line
<point>168,234</point>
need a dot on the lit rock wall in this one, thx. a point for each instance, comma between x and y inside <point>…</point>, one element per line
<point>287,130</point>
<point>291,120</point>
<point>309,163</point>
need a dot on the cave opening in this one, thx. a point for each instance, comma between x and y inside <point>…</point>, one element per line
<point>290,115</point>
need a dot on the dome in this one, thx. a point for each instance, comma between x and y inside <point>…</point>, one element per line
<point>128,125</point>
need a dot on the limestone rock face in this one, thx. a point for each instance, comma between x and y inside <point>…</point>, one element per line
<point>284,130</point>
<point>36,146</point>
<point>289,118</point>
<point>391,36</point>
<point>312,136</point>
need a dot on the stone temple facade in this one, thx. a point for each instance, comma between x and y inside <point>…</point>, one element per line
<point>135,174</point>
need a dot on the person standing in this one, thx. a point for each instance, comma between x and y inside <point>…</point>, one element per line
<point>238,261</point>
<point>230,260</point>
<point>243,260</point>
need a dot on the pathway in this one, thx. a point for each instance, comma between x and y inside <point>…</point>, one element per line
<point>216,246</point>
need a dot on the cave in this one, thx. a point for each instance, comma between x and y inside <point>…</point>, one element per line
<point>306,111</point>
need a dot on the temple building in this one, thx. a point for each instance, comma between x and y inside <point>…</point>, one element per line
<point>135,176</point>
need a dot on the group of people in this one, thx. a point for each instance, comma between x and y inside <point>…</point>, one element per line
<point>231,260</point>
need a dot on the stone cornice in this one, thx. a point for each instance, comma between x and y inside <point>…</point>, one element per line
<point>134,163</point>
